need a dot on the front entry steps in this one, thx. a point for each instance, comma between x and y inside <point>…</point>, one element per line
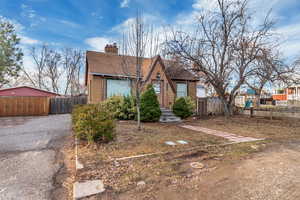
<point>167,116</point>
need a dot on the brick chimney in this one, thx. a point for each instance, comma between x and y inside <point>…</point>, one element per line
<point>111,48</point>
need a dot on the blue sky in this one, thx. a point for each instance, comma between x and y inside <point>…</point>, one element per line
<point>73,22</point>
<point>90,24</point>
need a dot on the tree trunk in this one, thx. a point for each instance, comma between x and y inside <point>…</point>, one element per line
<point>228,107</point>
<point>138,105</point>
<point>257,96</point>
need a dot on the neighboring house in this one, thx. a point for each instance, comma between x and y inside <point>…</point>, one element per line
<point>288,94</point>
<point>109,74</point>
<point>242,97</point>
<point>26,91</point>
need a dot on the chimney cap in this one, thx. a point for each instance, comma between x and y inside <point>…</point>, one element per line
<point>111,48</point>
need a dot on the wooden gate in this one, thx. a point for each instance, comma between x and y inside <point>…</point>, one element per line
<point>62,105</point>
<point>202,107</point>
<point>24,106</point>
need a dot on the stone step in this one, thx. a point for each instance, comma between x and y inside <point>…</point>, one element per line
<point>168,116</point>
<point>168,120</point>
<point>165,109</point>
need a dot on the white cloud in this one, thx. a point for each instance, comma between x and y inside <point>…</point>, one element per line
<point>28,63</point>
<point>29,41</point>
<point>120,28</point>
<point>69,23</point>
<point>205,4</point>
<point>96,16</point>
<point>31,15</point>
<point>97,43</point>
<point>124,3</point>
<point>290,35</point>
<point>27,11</point>
<point>148,19</point>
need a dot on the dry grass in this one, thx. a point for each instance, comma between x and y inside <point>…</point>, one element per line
<point>151,139</point>
<point>258,127</point>
<point>172,171</point>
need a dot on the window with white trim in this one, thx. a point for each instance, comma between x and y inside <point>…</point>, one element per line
<point>181,89</point>
<point>118,87</point>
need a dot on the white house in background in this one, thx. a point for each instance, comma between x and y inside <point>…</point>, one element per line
<point>291,93</point>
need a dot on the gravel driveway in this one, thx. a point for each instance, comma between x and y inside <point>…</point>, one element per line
<point>28,155</point>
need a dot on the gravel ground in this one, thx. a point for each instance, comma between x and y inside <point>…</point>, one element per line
<point>271,175</point>
<point>28,156</point>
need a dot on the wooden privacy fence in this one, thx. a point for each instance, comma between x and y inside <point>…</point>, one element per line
<point>63,105</point>
<point>24,106</point>
<point>209,106</point>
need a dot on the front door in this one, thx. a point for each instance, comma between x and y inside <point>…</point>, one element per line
<point>158,86</point>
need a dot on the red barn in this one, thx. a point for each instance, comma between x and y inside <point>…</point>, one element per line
<point>25,91</point>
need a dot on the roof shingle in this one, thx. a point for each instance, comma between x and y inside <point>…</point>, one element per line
<point>119,65</point>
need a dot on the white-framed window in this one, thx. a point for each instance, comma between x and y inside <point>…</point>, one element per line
<point>156,87</point>
<point>181,89</point>
<point>201,91</point>
<point>118,87</point>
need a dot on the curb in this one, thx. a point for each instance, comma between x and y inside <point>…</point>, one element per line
<point>77,163</point>
<point>88,187</point>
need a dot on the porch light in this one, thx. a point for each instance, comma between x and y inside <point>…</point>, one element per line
<point>158,76</point>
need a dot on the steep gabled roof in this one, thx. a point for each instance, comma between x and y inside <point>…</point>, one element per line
<point>177,71</point>
<point>157,59</point>
<point>109,64</point>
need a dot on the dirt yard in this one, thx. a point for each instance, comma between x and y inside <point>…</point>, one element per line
<point>256,170</point>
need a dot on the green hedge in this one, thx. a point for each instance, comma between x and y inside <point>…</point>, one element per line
<point>93,123</point>
<point>122,108</point>
<point>183,107</point>
<point>150,109</point>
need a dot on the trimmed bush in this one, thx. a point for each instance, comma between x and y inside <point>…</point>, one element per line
<point>122,108</point>
<point>114,105</point>
<point>150,110</point>
<point>181,108</point>
<point>93,123</point>
<point>128,108</point>
<point>191,103</point>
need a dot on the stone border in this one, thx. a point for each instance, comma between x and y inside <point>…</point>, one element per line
<point>77,163</point>
<point>88,187</point>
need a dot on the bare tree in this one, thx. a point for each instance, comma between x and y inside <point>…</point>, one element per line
<point>140,40</point>
<point>46,72</point>
<point>72,64</point>
<point>269,69</point>
<point>223,47</point>
<point>35,76</point>
<point>55,70</point>
<point>52,70</point>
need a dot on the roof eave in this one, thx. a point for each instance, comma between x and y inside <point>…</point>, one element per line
<point>112,75</point>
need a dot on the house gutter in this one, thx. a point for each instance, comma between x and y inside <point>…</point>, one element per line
<point>112,75</point>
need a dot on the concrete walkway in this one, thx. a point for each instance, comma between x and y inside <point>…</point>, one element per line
<point>230,136</point>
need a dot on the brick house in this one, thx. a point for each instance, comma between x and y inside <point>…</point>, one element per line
<point>108,73</point>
